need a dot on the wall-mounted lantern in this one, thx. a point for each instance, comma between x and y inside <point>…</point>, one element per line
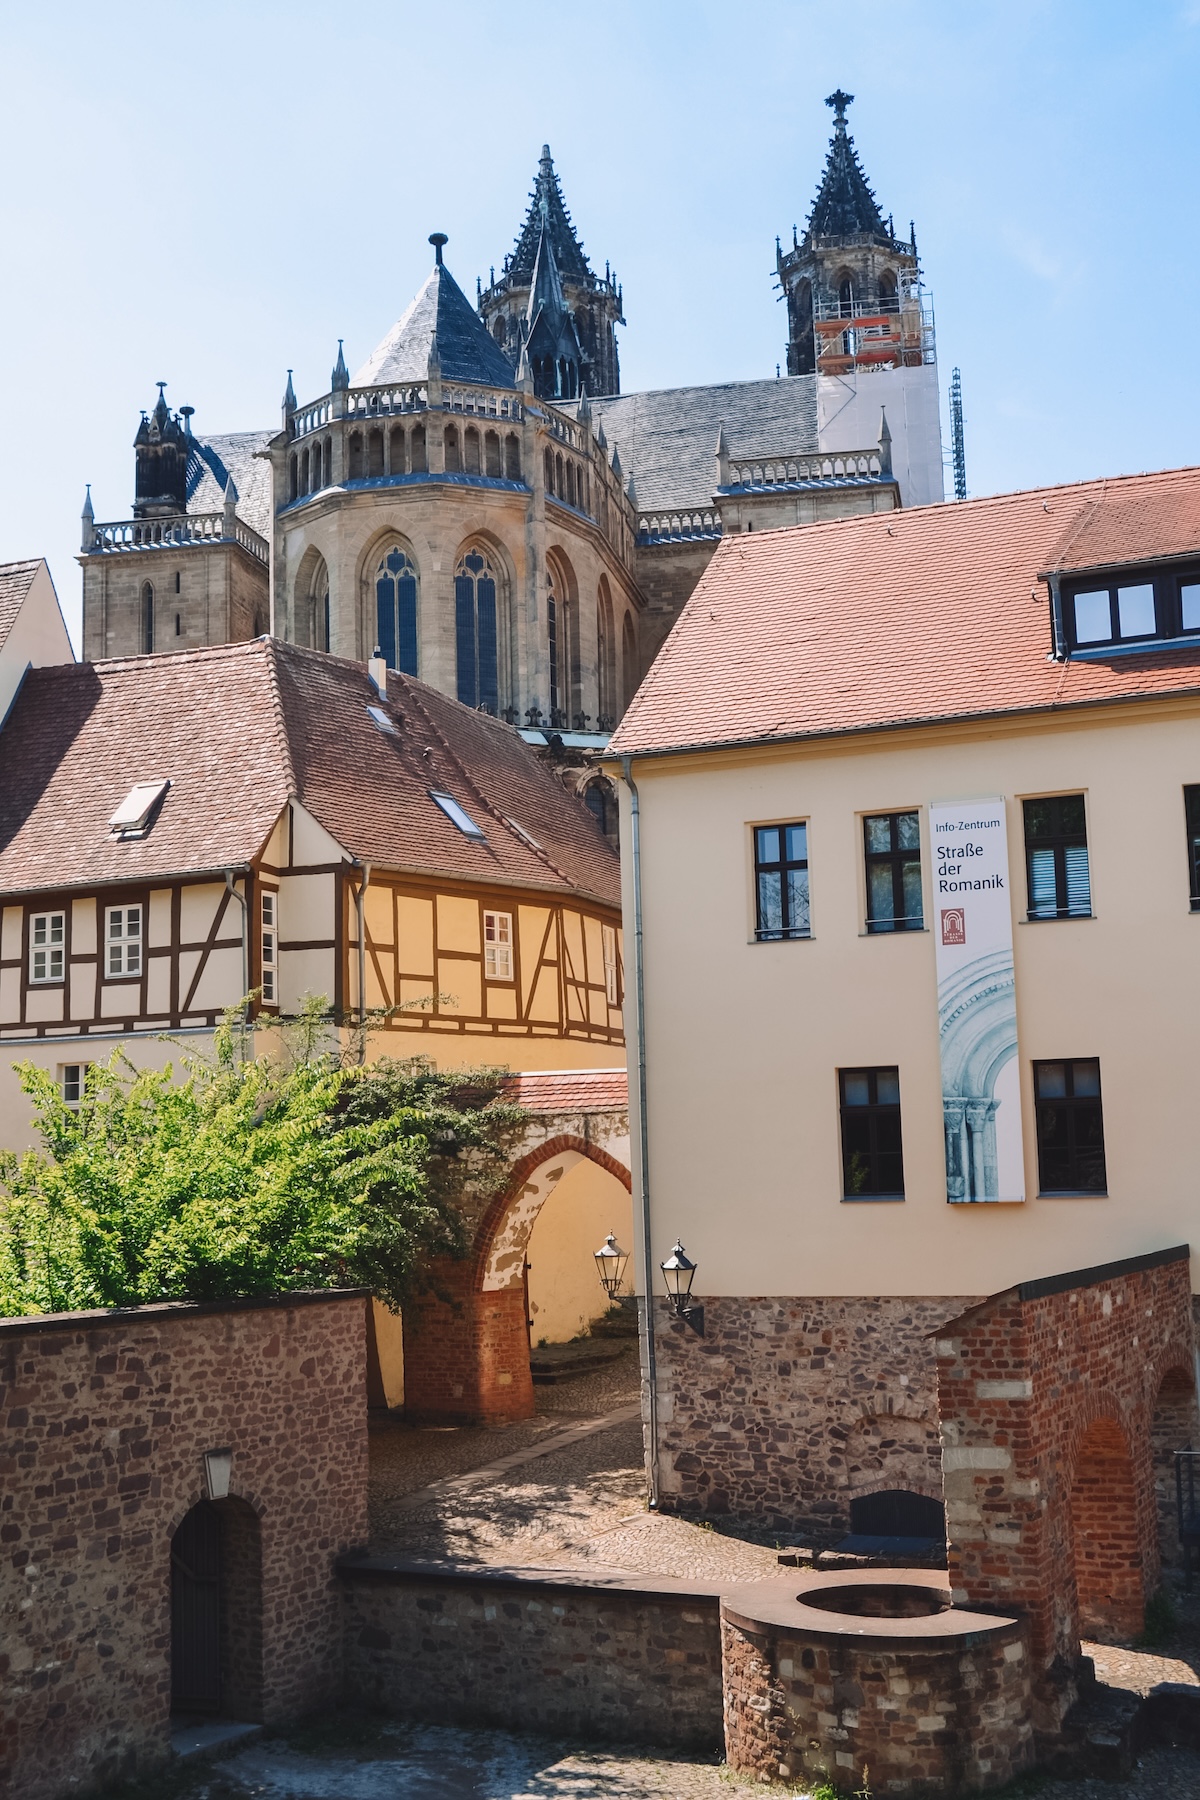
<point>679,1272</point>
<point>610,1266</point>
<point>218,1467</point>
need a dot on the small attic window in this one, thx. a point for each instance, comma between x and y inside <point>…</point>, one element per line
<point>525,836</point>
<point>135,815</point>
<point>382,721</point>
<point>455,812</point>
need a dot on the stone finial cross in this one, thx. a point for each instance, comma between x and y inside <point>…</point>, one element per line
<point>839,102</point>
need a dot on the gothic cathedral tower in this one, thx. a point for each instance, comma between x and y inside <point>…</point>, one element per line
<point>853,287</point>
<point>549,308</point>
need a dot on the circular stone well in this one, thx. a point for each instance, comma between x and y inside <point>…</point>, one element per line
<point>827,1674</point>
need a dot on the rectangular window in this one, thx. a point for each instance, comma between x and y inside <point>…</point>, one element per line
<point>497,946</point>
<point>1070,1127</point>
<point>1115,615</point>
<point>612,976</point>
<point>47,946</point>
<point>72,1078</point>
<point>892,844</point>
<point>1191,802</point>
<point>781,882</point>
<point>872,1159</point>
<point>269,970</point>
<point>123,941</point>
<point>1056,858</point>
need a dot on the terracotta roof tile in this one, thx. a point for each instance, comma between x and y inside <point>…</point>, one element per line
<point>570,1090</point>
<point>240,728</point>
<point>934,613</point>
<point>16,579</point>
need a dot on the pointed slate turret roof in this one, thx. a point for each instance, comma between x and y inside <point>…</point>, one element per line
<point>440,315</point>
<point>548,213</point>
<point>844,204</point>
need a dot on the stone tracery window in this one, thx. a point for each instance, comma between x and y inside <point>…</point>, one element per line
<point>476,630</point>
<point>396,610</point>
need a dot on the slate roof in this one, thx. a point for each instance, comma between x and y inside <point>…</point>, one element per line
<point>931,614</point>
<point>466,349</point>
<point>667,438</point>
<point>16,579</point>
<point>212,460</point>
<point>240,728</point>
<point>547,211</point>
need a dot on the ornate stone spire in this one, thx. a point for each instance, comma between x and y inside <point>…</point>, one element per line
<point>548,214</point>
<point>339,381</point>
<point>845,205</point>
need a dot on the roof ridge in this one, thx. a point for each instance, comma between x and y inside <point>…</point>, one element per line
<point>271,653</point>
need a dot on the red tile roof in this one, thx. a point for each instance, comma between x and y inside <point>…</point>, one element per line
<point>241,728</point>
<point>571,1090</point>
<point>892,618</point>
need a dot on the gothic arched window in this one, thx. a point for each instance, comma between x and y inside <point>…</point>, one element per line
<point>147,619</point>
<point>476,632</point>
<point>396,611</point>
<point>512,457</point>
<point>888,298</point>
<point>846,296</point>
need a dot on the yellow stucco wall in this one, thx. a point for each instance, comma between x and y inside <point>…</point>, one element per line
<point>745,1039</point>
<point>564,1288</point>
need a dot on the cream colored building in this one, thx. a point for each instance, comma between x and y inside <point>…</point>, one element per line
<point>1035,659</point>
<point>32,631</point>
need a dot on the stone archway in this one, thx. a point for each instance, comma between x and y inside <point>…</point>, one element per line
<point>466,1338</point>
<point>216,1612</point>
<point>1106,1538</point>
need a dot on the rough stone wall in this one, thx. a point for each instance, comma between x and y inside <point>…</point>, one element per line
<point>923,1719</point>
<point>1047,1395</point>
<point>106,1418</point>
<point>787,1409</point>
<point>596,1655</point>
<point>667,575</point>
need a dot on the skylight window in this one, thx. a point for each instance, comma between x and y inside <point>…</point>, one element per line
<point>382,721</point>
<point>457,814</point>
<point>135,815</point>
<point>525,836</point>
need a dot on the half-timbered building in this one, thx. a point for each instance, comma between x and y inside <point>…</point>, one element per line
<point>178,831</point>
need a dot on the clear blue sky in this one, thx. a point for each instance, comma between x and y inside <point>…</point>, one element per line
<point>211,194</point>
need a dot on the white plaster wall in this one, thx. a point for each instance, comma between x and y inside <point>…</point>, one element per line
<point>848,417</point>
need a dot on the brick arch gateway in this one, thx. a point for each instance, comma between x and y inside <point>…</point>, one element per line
<point>466,1340</point>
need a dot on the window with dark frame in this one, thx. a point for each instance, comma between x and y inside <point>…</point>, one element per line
<point>892,847</point>
<point>1070,1127</point>
<point>781,882</point>
<point>1139,608</point>
<point>1191,803</point>
<point>1056,858</point>
<point>872,1156</point>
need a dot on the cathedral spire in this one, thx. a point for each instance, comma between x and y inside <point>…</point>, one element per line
<point>845,205</point>
<point>548,216</point>
<point>340,379</point>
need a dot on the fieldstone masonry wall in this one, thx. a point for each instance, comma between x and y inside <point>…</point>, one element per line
<point>1049,1394</point>
<point>787,1409</point>
<point>106,1418</point>
<point>599,1654</point>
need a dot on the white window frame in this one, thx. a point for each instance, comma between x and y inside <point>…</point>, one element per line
<point>612,986</point>
<point>497,946</point>
<point>123,953</point>
<point>72,1075</point>
<point>47,948</point>
<point>268,916</point>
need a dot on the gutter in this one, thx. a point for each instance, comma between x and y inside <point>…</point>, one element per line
<point>642,1196</point>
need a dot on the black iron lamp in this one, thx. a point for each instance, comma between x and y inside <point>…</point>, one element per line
<point>610,1266</point>
<point>679,1272</point>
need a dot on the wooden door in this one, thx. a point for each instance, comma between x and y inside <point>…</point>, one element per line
<point>196,1612</point>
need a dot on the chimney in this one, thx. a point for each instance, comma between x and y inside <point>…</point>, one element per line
<point>377,670</point>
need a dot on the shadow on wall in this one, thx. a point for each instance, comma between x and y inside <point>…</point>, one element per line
<point>565,1294</point>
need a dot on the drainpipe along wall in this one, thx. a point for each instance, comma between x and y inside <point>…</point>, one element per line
<point>360,906</point>
<point>642,1193</point>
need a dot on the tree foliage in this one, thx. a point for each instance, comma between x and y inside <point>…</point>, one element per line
<point>236,1176</point>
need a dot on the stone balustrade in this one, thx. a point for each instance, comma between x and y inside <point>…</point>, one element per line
<point>410,397</point>
<point>788,469</point>
<point>173,531</point>
<point>683,526</point>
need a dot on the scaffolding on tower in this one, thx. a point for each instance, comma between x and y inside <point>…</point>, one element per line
<point>958,449</point>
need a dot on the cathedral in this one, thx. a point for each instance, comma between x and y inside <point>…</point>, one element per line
<point>481,502</point>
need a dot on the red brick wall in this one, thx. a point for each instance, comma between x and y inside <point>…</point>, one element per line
<point>104,1420</point>
<point>466,1352</point>
<point>1047,1395</point>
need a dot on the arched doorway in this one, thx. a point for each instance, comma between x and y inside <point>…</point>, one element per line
<point>1109,1575</point>
<point>216,1612</point>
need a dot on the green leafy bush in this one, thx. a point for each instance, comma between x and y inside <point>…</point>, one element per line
<point>238,1176</point>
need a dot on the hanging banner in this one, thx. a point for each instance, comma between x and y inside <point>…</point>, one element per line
<point>977,1003</point>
